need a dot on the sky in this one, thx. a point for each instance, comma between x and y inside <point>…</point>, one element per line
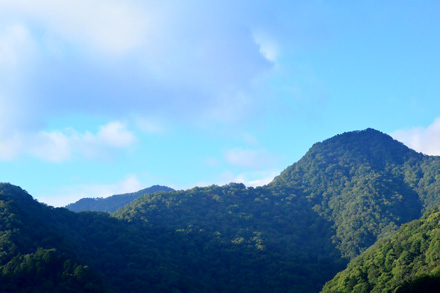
<point>102,97</point>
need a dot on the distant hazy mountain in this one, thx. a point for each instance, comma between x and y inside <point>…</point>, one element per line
<point>112,203</point>
<point>292,235</point>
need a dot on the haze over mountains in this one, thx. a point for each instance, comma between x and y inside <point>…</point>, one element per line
<point>292,235</point>
<point>112,203</point>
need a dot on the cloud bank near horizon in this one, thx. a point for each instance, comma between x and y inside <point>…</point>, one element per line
<point>424,140</point>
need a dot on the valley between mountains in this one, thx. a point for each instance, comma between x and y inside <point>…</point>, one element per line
<point>358,213</point>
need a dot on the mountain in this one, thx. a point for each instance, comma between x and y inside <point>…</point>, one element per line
<point>112,203</point>
<point>45,249</point>
<point>135,255</point>
<point>265,240</point>
<point>406,262</point>
<point>339,199</point>
<point>366,184</point>
<point>292,235</point>
<point>28,260</point>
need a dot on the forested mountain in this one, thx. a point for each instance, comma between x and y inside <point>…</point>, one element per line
<point>409,261</point>
<point>292,235</point>
<point>112,203</point>
<point>366,184</point>
<point>29,262</point>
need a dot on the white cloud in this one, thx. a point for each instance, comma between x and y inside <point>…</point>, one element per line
<point>254,179</point>
<point>51,146</point>
<point>9,147</point>
<point>261,181</point>
<point>109,25</point>
<point>115,134</point>
<point>250,179</point>
<point>425,140</point>
<point>247,158</point>
<point>16,52</point>
<point>181,62</point>
<point>58,146</point>
<point>268,47</point>
<point>15,45</point>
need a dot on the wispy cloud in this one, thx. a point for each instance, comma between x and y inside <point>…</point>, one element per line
<point>139,58</point>
<point>59,146</point>
<point>115,134</point>
<point>9,147</point>
<point>268,47</point>
<point>250,179</point>
<point>255,179</point>
<point>249,158</point>
<point>15,44</point>
<point>425,140</point>
<point>109,26</point>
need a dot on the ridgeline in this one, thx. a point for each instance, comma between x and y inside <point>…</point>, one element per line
<point>292,235</point>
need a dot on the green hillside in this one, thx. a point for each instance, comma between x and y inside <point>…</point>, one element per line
<point>366,183</point>
<point>112,203</point>
<point>28,260</point>
<point>407,262</point>
<point>340,198</point>
<point>292,235</point>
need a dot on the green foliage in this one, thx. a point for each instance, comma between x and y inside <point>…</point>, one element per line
<point>112,203</point>
<point>409,261</point>
<point>366,183</point>
<point>26,265</point>
<point>292,235</point>
<point>47,271</point>
<point>257,241</point>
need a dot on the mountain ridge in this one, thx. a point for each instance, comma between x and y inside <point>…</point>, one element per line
<point>293,234</point>
<point>113,202</point>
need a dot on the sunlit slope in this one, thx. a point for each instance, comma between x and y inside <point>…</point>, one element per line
<point>366,184</point>
<point>407,262</point>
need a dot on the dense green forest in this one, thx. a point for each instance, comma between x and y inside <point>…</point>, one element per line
<point>292,235</point>
<point>137,256</point>
<point>112,203</point>
<point>409,261</point>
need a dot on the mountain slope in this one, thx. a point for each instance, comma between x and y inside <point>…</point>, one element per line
<point>340,198</point>
<point>276,241</point>
<point>407,262</point>
<point>366,183</point>
<point>292,235</point>
<point>28,260</point>
<point>120,256</point>
<point>112,203</point>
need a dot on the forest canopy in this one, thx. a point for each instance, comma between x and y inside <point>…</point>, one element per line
<point>292,235</point>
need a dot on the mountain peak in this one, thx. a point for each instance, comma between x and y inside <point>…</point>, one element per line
<point>369,148</point>
<point>368,145</point>
<point>15,193</point>
<point>364,137</point>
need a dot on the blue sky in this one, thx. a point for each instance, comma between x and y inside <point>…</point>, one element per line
<point>101,97</point>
